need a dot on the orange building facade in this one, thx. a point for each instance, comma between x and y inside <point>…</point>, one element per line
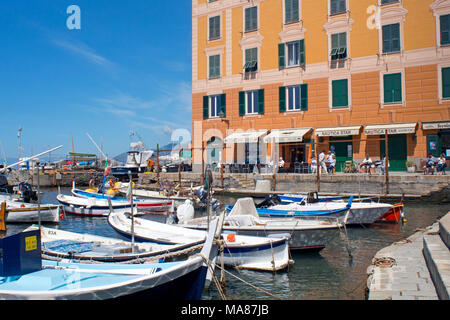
<point>270,77</point>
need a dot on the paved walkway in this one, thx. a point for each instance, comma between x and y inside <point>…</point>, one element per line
<point>406,277</point>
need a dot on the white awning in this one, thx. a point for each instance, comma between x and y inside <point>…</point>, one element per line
<point>397,128</point>
<point>286,135</point>
<point>338,131</point>
<point>436,125</point>
<point>245,136</point>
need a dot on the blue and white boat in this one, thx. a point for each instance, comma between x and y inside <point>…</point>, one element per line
<point>142,204</point>
<point>53,280</point>
<point>244,252</point>
<point>328,209</point>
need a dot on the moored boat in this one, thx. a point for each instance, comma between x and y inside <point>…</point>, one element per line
<point>247,252</point>
<point>56,280</point>
<point>395,214</point>
<point>305,234</point>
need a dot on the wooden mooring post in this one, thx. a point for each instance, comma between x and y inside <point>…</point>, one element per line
<point>157,163</point>
<point>386,165</point>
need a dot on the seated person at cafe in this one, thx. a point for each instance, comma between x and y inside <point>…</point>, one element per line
<point>331,163</point>
<point>430,164</point>
<point>366,165</point>
<point>313,163</point>
<point>441,164</point>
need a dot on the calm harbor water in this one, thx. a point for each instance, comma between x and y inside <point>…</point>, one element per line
<point>330,274</point>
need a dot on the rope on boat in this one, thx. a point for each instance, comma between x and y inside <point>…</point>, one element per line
<point>214,278</point>
<point>254,287</point>
<point>384,262</point>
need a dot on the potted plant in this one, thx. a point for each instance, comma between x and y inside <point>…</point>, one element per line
<point>410,166</point>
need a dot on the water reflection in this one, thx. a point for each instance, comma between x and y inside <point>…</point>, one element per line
<point>331,274</point>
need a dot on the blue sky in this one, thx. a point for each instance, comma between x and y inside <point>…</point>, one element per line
<point>128,68</point>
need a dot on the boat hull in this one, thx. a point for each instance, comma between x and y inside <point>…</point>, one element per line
<point>394,214</point>
<point>48,214</point>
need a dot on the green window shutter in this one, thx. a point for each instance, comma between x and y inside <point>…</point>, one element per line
<point>288,11</point>
<point>295,13</point>
<point>241,103</point>
<point>223,104</point>
<point>282,98</point>
<point>261,101</point>
<point>393,88</point>
<point>391,38</point>
<point>205,107</point>
<point>445,83</point>
<point>304,97</point>
<point>214,66</point>
<point>445,29</point>
<point>340,93</point>
<point>281,56</point>
<point>251,19</point>
<point>301,54</point>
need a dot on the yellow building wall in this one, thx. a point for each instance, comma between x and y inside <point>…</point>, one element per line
<point>361,33</point>
<point>314,15</point>
<point>270,24</point>
<point>420,25</point>
<point>236,35</point>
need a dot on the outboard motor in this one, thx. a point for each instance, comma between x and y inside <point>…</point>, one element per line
<point>312,197</point>
<point>27,194</point>
<point>269,201</point>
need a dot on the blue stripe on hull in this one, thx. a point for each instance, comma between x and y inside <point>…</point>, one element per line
<point>187,287</point>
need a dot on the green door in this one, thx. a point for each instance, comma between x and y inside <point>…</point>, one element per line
<point>397,152</point>
<point>433,145</point>
<point>342,150</point>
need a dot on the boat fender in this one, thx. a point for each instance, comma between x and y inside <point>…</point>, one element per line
<point>231,237</point>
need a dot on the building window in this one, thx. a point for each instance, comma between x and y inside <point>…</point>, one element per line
<point>388,1</point>
<point>251,102</point>
<point>251,19</point>
<point>391,38</point>
<point>297,97</point>
<point>392,88</point>
<point>445,29</point>
<point>251,60</point>
<point>340,93</point>
<point>291,11</point>
<point>291,54</point>
<point>214,105</point>
<point>337,6</point>
<point>446,83</point>
<point>214,28</point>
<point>214,66</point>
<point>338,46</point>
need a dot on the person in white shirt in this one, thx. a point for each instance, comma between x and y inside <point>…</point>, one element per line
<point>281,163</point>
<point>322,164</point>
<point>366,165</point>
<point>313,163</point>
<point>331,163</point>
<point>441,164</point>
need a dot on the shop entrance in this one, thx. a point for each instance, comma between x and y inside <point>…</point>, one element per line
<point>342,150</point>
<point>397,151</point>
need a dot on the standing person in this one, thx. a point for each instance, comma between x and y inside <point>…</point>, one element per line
<point>322,165</point>
<point>441,164</point>
<point>313,163</point>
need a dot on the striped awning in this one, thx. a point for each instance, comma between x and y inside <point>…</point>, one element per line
<point>338,131</point>
<point>394,128</point>
<point>436,125</point>
<point>250,136</point>
<point>286,135</point>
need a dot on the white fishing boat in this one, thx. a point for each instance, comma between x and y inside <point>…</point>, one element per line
<point>55,280</point>
<point>360,212</point>
<point>86,247</point>
<point>101,208</point>
<point>22,212</point>
<point>305,234</point>
<point>246,252</point>
<point>146,205</point>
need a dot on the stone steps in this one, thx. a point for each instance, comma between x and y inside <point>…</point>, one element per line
<point>437,257</point>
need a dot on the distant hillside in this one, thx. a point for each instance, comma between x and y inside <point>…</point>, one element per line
<point>122,158</point>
